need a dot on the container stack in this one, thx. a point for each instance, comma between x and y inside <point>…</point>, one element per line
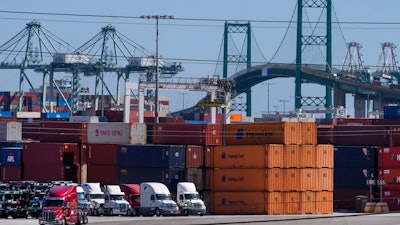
<point>389,171</point>
<point>10,151</point>
<point>151,163</point>
<point>271,168</point>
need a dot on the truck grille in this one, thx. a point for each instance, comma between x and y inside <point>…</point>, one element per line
<point>48,215</point>
<point>170,206</point>
<point>123,207</point>
<point>197,205</point>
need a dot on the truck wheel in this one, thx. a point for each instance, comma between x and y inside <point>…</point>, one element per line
<point>79,222</point>
<point>135,212</point>
<point>85,219</point>
<point>158,212</point>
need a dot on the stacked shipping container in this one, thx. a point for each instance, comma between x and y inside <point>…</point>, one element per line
<point>389,171</point>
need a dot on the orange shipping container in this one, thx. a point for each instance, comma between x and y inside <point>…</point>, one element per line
<point>325,179</point>
<point>308,133</point>
<point>274,180</point>
<point>307,202</point>
<point>238,202</point>
<point>274,156</point>
<point>236,117</point>
<point>300,179</point>
<point>291,156</point>
<point>291,202</point>
<point>263,133</point>
<point>292,180</point>
<point>238,156</point>
<point>237,179</point>
<point>274,203</point>
<point>324,156</point>
<point>308,156</point>
<point>324,202</point>
<point>207,157</point>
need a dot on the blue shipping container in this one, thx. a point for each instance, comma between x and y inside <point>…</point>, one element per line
<point>355,157</point>
<point>160,156</point>
<point>57,115</point>
<point>6,113</point>
<point>353,178</point>
<point>391,112</point>
<point>11,156</point>
<point>168,176</point>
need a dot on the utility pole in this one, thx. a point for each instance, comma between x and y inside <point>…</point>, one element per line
<point>183,100</point>
<point>283,102</point>
<point>157,17</point>
<point>268,84</point>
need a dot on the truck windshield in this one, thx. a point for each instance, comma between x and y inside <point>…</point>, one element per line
<point>97,196</point>
<point>117,197</point>
<point>81,196</point>
<point>192,196</point>
<point>58,203</point>
<point>163,197</point>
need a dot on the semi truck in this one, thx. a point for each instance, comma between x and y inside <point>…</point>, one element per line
<point>115,202</point>
<point>187,194</point>
<point>61,207</point>
<point>132,195</point>
<point>96,197</point>
<point>155,199</point>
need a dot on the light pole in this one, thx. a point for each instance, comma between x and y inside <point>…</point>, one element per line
<point>276,108</point>
<point>268,84</point>
<point>157,17</point>
<point>183,100</point>
<point>283,101</point>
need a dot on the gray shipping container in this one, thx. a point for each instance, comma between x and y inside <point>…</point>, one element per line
<point>11,131</point>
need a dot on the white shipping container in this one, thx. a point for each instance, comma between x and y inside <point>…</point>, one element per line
<point>117,133</point>
<point>21,114</point>
<point>70,58</point>
<point>144,61</point>
<point>84,119</point>
<point>11,131</point>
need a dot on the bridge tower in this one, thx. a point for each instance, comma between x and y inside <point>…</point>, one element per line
<point>306,39</point>
<point>243,28</point>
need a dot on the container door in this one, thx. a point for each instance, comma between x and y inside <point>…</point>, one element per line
<point>70,171</point>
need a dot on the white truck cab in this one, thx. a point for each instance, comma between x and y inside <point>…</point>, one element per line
<point>115,202</point>
<point>187,194</point>
<point>96,197</point>
<point>156,199</point>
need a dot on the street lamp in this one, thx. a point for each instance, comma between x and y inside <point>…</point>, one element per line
<point>183,100</point>
<point>268,84</point>
<point>157,17</point>
<point>283,101</point>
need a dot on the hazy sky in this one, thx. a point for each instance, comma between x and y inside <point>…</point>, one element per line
<point>194,37</point>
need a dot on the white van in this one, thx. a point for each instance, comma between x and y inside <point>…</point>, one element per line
<point>155,199</point>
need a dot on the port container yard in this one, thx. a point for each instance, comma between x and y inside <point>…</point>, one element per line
<point>259,168</point>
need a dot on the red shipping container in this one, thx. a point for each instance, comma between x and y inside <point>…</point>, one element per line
<point>47,172</point>
<point>105,174</point>
<point>208,157</point>
<point>63,132</point>
<point>194,156</point>
<point>388,157</point>
<point>391,178</point>
<point>385,122</point>
<point>102,154</point>
<point>31,130</point>
<point>187,134</point>
<point>10,173</point>
<point>361,135</point>
<point>325,134</point>
<point>353,121</point>
<point>40,152</point>
<point>394,135</point>
<point>392,198</point>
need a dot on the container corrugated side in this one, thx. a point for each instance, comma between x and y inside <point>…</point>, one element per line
<point>324,180</point>
<point>292,156</point>
<point>11,131</point>
<point>117,133</point>
<point>101,154</point>
<point>394,135</point>
<point>274,203</point>
<point>238,203</point>
<point>391,197</point>
<point>263,133</point>
<point>324,156</point>
<point>194,156</point>
<point>196,176</point>
<point>355,178</point>
<point>325,134</point>
<point>237,180</point>
<point>391,178</point>
<point>10,173</point>
<point>308,133</point>
<point>274,156</point>
<point>239,156</point>
<point>292,202</point>
<point>34,152</point>
<point>105,174</point>
<point>161,156</point>
<point>187,134</point>
<point>307,202</point>
<point>361,156</point>
<point>324,202</point>
<point>274,179</point>
<point>308,156</point>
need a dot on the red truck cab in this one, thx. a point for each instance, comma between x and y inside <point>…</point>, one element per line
<point>132,194</point>
<point>61,207</point>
